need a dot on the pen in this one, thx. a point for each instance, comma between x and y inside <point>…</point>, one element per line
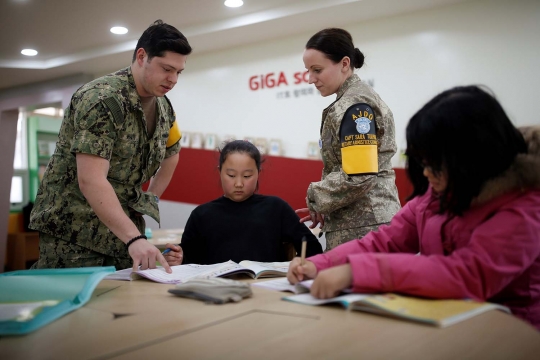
<point>166,251</point>
<point>303,254</point>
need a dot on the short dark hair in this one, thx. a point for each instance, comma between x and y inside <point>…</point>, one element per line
<point>336,44</point>
<point>466,132</point>
<point>161,37</point>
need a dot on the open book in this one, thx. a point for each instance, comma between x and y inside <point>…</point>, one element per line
<point>182,273</point>
<point>282,284</point>
<point>436,312</point>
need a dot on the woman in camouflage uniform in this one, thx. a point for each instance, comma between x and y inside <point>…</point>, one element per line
<point>357,192</point>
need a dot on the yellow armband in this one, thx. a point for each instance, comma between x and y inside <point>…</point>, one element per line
<point>358,135</point>
<point>174,135</point>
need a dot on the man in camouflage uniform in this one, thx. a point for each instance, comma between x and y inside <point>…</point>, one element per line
<point>357,192</point>
<point>118,132</point>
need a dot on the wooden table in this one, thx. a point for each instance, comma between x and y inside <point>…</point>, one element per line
<point>141,320</point>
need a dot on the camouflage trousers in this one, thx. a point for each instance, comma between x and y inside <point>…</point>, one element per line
<point>335,238</point>
<point>56,253</point>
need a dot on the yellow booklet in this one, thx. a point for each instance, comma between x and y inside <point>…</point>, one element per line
<point>440,313</point>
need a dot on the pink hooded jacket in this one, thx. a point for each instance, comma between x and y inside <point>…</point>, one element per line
<point>490,253</point>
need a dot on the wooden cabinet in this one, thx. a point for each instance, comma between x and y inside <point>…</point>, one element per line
<point>21,247</point>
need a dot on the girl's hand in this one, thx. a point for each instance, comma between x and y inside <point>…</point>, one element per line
<point>175,256</point>
<point>330,282</point>
<point>298,272</point>
<point>315,217</point>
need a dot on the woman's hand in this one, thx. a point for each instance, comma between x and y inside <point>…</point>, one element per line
<point>330,282</point>
<point>315,217</point>
<point>175,256</point>
<point>298,272</point>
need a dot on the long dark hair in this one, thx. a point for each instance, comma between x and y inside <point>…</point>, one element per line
<point>466,132</point>
<point>336,44</point>
<point>244,147</point>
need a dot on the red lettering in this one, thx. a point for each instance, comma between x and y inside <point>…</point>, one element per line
<point>282,79</point>
<point>270,82</point>
<point>300,77</point>
<point>253,83</point>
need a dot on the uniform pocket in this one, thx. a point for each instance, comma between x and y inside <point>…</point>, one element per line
<point>123,160</point>
<point>156,158</point>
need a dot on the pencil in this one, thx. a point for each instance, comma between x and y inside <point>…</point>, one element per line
<point>303,254</point>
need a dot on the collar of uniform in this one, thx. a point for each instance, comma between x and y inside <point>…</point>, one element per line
<point>350,80</point>
<point>133,95</point>
<point>161,110</point>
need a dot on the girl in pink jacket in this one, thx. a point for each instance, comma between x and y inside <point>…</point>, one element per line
<point>472,226</point>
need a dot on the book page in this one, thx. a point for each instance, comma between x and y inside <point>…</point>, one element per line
<point>344,300</point>
<point>222,269</point>
<point>305,286</point>
<point>270,268</point>
<point>182,273</point>
<point>280,284</point>
<point>433,311</point>
<point>124,274</point>
<point>23,311</point>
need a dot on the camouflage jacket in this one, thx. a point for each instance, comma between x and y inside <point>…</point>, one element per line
<point>350,201</point>
<point>105,118</point>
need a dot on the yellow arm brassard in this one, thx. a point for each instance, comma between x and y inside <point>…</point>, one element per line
<point>174,135</point>
<point>358,135</point>
<point>360,159</point>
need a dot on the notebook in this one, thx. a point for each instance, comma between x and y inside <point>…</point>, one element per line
<point>182,273</point>
<point>435,312</point>
<point>282,284</point>
<point>30,299</point>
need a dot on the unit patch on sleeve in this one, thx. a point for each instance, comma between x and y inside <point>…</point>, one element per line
<point>358,137</point>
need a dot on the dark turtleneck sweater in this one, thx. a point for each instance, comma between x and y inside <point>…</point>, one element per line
<point>254,229</point>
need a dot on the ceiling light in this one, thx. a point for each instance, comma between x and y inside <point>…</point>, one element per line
<point>29,52</point>
<point>234,3</point>
<point>119,30</point>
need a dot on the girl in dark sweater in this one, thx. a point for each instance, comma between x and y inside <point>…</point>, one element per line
<point>241,225</point>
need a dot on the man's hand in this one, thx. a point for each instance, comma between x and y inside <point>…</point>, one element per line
<point>145,254</point>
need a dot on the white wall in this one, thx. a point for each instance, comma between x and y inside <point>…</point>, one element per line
<point>410,58</point>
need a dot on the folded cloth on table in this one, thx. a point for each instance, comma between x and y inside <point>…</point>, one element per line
<point>213,290</point>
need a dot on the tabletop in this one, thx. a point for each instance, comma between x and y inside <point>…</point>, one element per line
<point>140,319</point>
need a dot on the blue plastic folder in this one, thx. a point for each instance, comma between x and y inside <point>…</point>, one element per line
<point>30,299</point>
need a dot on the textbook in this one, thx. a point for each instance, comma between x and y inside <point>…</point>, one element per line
<point>435,312</point>
<point>282,284</point>
<point>30,299</point>
<point>182,273</point>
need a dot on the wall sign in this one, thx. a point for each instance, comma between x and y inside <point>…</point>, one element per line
<point>271,80</point>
